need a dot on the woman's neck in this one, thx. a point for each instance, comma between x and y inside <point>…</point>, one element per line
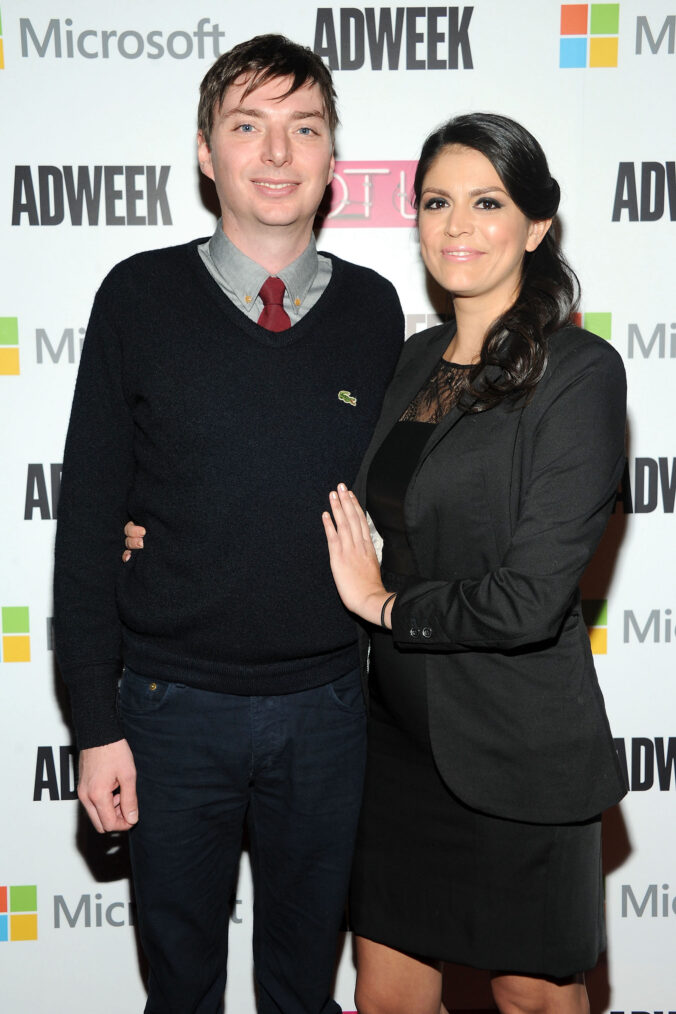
<point>473,317</point>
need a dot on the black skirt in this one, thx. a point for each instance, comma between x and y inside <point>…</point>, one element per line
<point>435,878</point>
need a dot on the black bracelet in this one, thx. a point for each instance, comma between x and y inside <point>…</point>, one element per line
<point>382,611</point>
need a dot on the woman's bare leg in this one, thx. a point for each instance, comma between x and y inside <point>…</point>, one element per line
<point>525,994</point>
<point>392,982</point>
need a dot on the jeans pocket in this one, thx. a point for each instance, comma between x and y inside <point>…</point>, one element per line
<point>346,693</point>
<point>143,695</point>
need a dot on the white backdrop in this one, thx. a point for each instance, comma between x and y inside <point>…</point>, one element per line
<point>97,99</point>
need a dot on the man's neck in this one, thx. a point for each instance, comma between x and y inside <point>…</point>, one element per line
<point>274,249</point>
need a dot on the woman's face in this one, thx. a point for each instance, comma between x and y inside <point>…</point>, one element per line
<point>472,235</point>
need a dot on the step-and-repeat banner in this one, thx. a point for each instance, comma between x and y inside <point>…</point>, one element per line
<point>98,139</point>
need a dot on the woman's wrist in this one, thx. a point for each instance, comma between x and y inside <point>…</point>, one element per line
<point>386,611</point>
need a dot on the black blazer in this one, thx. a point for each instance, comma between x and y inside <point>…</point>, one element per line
<point>503,513</point>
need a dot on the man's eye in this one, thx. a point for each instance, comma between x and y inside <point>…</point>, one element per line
<point>306,131</point>
<point>245,128</point>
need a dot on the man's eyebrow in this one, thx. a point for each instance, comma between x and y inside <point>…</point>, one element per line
<point>260,114</point>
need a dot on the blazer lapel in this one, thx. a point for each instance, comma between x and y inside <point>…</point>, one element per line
<point>453,417</point>
<point>405,384</point>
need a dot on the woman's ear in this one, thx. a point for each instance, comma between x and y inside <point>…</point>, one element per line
<point>536,233</point>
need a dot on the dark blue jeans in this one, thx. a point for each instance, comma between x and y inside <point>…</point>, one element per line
<point>291,768</point>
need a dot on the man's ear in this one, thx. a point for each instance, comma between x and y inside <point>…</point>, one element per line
<point>204,156</point>
<point>536,233</point>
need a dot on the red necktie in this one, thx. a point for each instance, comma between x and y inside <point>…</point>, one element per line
<point>273,316</point>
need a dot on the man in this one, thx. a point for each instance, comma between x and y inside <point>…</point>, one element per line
<point>224,387</point>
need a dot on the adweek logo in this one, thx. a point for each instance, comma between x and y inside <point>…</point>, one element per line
<point>589,35</point>
<point>39,497</point>
<point>646,485</point>
<point>595,615</point>
<point>16,642</point>
<point>394,38</point>
<point>56,39</point>
<point>642,758</point>
<point>18,912</point>
<point>371,195</point>
<point>9,347</point>
<point>643,190</point>
<point>91,195</point>
<point>56,779</point>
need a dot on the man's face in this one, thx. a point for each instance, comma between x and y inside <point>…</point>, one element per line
<point>271,159</point>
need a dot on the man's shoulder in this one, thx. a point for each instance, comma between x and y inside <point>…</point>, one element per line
<point>361,276</point>
<point>141,268</point>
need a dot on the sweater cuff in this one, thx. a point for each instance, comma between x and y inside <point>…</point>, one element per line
<point>93,701</point>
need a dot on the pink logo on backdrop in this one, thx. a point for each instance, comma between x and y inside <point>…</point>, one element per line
<point>371,195</point>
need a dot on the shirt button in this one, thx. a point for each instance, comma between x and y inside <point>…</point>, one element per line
<point>426,631</point>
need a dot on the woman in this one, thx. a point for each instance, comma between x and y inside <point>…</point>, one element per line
<point>491,475</point>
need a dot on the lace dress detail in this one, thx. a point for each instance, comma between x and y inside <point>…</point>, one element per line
<point>438,394</point>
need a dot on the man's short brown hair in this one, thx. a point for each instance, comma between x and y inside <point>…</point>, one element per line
<point>261,59</point>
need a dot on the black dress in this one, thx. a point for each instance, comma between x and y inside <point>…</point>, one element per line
<point>432,876</point>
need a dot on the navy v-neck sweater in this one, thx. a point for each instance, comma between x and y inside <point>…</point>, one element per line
<point>223,440</point>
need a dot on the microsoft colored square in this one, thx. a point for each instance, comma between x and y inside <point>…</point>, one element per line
<point>598,639</point>
<point>573,53</point>
<point>15,620</point>
<point>605,19</point>
<point>3,899</point>
<point>2,56</point>
<point>23,927</point>
<point>16,649</point>
<point>9,362</point>
<point>595,612</point>
<point>599,323</point>
<point>4,929</point>
<point>9,331</point>
<point>23,898</point>
<point>603,52</point>
<point>574,19</point>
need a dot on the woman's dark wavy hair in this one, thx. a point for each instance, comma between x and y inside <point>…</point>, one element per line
<point>549,290</point>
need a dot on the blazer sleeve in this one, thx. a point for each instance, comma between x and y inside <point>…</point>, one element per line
<point>574,448</point>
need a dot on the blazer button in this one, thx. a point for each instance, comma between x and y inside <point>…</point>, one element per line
<point>426,631</point>
<point>413,632</point>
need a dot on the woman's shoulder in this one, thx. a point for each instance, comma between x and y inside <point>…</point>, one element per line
<point>438,336</point>
<point>572,349</point>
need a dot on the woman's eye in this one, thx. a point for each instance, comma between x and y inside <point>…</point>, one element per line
<point>488,203</point>
<point>433,203</point>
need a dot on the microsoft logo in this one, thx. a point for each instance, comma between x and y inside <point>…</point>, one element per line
<point>589,35</point>
<point>9,330</point>
<point>16,643</point>
<point>2,50</point>
<point>595,613</point>
<point>597,323</point>
<point>18,913</point>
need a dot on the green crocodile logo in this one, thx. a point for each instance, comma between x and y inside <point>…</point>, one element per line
<point>347,398</point>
